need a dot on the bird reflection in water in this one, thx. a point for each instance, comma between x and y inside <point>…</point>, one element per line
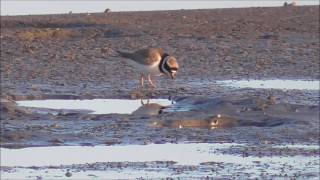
<point>148,108</point>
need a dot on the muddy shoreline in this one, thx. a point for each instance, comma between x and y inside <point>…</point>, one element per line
<point>74,54</point>
<point>71,56</point>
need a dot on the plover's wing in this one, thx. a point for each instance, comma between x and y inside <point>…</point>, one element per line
<point>144,56</point>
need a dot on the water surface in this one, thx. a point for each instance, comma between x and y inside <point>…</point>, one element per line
<point>182,154</point>
<point>98,106</point>
<point>273,84</point>
<point>50,162</point>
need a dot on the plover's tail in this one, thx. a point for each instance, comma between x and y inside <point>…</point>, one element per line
<point>124,54</point>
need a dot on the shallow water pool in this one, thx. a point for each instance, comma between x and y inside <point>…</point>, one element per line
<point>162,160</point>
<point>273,84</point>
<point>97,106</point>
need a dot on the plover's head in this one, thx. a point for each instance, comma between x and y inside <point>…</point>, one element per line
<point>170,66</point>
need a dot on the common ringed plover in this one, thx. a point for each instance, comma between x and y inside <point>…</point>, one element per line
<point>152,61</point>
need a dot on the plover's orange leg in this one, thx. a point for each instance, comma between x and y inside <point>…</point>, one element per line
<point>142,81</point>
<point>150,81</point>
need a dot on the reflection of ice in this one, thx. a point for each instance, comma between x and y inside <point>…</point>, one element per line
<point>99,106</point>
<point>273,84</point>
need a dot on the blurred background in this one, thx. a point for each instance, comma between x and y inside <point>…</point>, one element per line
<point>19,7</point>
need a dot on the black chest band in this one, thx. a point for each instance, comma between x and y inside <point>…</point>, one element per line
<point>162,61</point>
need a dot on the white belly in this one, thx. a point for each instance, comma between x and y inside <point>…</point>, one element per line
<point>153,70</point>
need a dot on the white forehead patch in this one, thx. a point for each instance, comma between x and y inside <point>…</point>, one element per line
<point>173,71</point>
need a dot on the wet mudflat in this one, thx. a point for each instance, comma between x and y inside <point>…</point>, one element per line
<point>272,130</point>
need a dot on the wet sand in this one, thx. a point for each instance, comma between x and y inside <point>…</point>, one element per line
<point>72,57</point>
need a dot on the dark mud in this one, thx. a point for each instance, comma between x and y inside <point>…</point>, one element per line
<point>72,57</point>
